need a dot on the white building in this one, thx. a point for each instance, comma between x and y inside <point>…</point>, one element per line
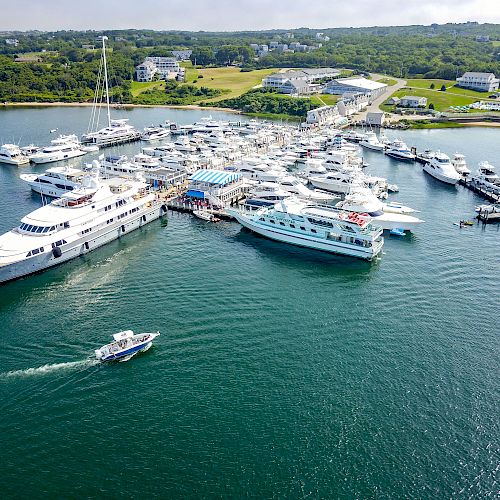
<point>303,79</point>
<point>351,85</point>
<point>375,119</point>
<point>166,67</point>
<point>12,41</point>
<point>413,101</point>
<point>483,82</point>
<point>326,115</point>
<point>352,104</point>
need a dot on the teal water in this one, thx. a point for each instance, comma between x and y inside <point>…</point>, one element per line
<point>280,372</point>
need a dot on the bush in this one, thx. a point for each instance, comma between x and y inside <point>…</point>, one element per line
<point>200,76</point>
<point>432,86</point>
<point>443,88</point>
<point>431,106</point>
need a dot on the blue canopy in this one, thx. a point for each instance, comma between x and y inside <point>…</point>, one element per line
<point>218,177</point>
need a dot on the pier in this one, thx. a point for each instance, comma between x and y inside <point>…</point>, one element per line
<point>485,193</point>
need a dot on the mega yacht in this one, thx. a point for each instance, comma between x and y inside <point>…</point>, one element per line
<point>315,226</point>
<point>155,133</point>
<point>440,167</point>
<point>486,178</point>
<point>62,148</point>
<point>400,151</point>
<point>460,165</point>
<point>371,142</point>
<point>12,154</point>
<point>117,132</point>
<point>95,213</point>
<point>55,181</point>
<point>388,216</point>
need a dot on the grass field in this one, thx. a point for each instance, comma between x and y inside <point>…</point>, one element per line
<point>450,87</point>
<point>325,99</point>
<point>137,87</point>
<point>230,78</point>
<point>496,43</point>
<point>388,81</point>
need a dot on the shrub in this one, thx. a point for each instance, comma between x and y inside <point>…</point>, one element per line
<point>431,106</point>
<point>443,88</point>
<point>432,86</point>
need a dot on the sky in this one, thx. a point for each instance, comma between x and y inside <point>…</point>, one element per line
<point>232,15</point>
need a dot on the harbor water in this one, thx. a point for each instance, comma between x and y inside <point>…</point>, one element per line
<point>280,372</point>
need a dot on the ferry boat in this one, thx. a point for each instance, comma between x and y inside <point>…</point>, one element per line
<point>95,213</point>
<point>62,148</point>
<point>55,181</point>
<point>12,154</point>
<point>315,226</point>
<point>125,345</point>
<point>441,168</point>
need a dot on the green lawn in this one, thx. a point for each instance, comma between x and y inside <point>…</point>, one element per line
<point>137,87</point>
<point>450,86</point>
<point>230,78</point>
<point>325,99</point>
<point>496,43</point>
<point>388,81</point>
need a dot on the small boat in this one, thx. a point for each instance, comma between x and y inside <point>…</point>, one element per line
<point>90,149</point>
<point>397,232</point>
<point>125,345</point>
<point>204,215</point>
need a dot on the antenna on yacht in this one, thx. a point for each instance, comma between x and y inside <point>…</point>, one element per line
<point>104,38</point>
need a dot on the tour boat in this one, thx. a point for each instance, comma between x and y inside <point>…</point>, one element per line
<point>315,226</point>
<point>12,154</point>
<point>93,214</point>
<point>440,167</point>
<point>62,148</point>
<point>55,181</point>
<point>125,345</point>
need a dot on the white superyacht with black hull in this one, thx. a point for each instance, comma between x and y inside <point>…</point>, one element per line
<point>315,226</point>
<point>95,213</point>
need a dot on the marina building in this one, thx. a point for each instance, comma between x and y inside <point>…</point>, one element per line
<point>413,101</point>
<point>166,67</point>
<point>362,85</point>
<point>375,119</point>
<point>483,82</point>
<point>326,115</point>
<point>352,104</point>
<point>298,82</point>
<point>218,187</point>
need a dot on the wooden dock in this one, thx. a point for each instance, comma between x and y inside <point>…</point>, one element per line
<point>184,206</point>
<point>485,193</point>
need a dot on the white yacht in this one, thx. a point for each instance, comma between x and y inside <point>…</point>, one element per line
<point>155,133</point>
<point>339,181</point>
<point>12,154</point>
<point>296,187</point>
<point>62,148</point>
<point>315,226</point>
<point>460,165</point>
<point>388,216</point>
<point>486,178</point>
<point>400,151</point>
<point>371,142</point>
<point>183,144</point>
<point>117,132</point>
<point>55,181</point>
<point>95,213</point>
<point>440,167</point>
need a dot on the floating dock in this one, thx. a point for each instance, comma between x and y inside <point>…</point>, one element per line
<point>483,192</point>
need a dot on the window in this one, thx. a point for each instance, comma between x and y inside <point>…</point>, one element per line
<point>35,251</point>
<point>302,228</point>
<point>271,221</point>
<point>282,223</point>
<point>313,231</point>
<point>292,226</point>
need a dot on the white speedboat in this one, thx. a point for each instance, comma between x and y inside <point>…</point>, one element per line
<point>400,151</point>
<point>387,216</point>
<point>440,167</point>
<point>55,181</point>
<point>95,213</point>
<point>315,226</point>
<point>371,142</point>
<point>460,165</point>
<point>125,345</point>
<point>155,133</point>
<point>12,154</point>
<point>486,178</point>
<point>62,148</point>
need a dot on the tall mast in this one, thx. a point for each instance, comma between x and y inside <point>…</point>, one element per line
<point>104,38</point>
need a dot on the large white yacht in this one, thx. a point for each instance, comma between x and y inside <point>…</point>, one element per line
<point>315,226</point>
<point>371,142</point>
<point>400,151</point>
<point>62,148</point>
<point>95,213</point>
<point>441,168</point>
<point>486,178</point>
<point>386,215</point>
<point>155,133</point>
<point>12,154</point>
<point>55,181</point>
<point>117,132</point>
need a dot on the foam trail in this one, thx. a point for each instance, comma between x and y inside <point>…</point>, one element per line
<point>51,368</point>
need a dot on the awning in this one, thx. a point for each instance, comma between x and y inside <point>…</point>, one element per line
<point>218,177</point>
<point>195,194</point>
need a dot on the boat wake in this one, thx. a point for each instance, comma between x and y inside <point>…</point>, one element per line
<point>50,368</point>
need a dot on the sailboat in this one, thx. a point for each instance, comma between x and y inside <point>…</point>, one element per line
<point>117,131</point>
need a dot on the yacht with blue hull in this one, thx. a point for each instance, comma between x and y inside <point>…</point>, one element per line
<point>93,214</point>
<point>318,227</point>
<point>125,345</point>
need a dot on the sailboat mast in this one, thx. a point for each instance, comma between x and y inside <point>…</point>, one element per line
<point>104,38</point>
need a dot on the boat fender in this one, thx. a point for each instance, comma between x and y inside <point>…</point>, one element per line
<point>56,252</point>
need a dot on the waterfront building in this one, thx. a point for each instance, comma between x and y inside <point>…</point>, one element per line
<point>326,115</point>
<point>483,82</point>
<point>375,119</point>
<point>298,81</point>
<point>413,101</point>
<point>393,100</point>
<point>217,187</point>
<point>343,86</point>
<point>352,103</point>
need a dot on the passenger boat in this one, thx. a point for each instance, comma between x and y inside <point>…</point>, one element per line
<point>125,345</point>
<point>441,168</point>
<point>317,227</point>
<point>486,178</point>
<point>96,212</point>
<point>12,154</point>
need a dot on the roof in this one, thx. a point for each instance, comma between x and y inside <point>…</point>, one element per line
<point>412,98</point>
<point>219,177</point>
<point>362,83</point>
<point>477,74</point>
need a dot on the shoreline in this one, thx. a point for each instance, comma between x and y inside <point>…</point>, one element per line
<point>119,106</point>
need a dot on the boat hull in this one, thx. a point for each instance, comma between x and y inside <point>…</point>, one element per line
<point>128,352</point>
<point>82,246</point>
<point>308,242</point>
<point>373,147</point>
<point>56,157</point>
<point>17,163</point>
<point>396,156</point>
<point>447,180</point>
